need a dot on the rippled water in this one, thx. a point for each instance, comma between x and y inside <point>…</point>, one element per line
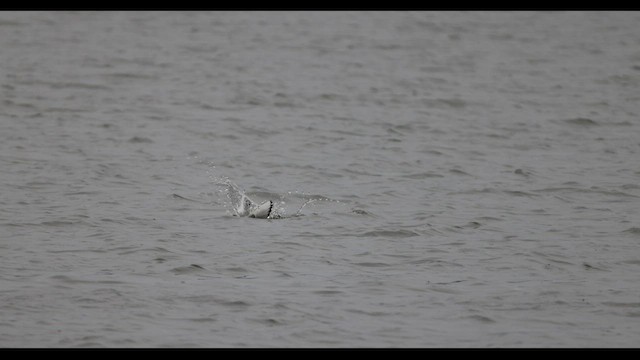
<point>445,179</point>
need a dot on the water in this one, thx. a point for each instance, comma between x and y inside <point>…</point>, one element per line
<point>444,179</point>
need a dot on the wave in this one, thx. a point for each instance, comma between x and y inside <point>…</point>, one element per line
<point>183,270</point>
<point>400,233</point>
<point>591,190</point>
<point>633,231</point>
<point>579,121</point>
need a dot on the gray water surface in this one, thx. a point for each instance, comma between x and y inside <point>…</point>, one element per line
<point>445,179</point>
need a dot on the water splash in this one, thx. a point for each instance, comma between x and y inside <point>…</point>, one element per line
<point>299,212</point>
<point>238,202</point>
<point>288,205</point>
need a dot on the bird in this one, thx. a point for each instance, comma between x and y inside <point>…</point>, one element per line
<point>247,207</point>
